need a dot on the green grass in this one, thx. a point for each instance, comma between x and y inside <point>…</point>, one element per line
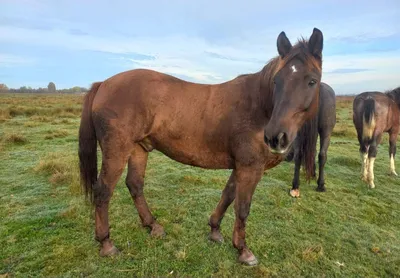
<point>47,229</point>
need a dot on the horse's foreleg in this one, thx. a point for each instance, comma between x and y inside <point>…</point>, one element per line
<point>392,151</point>
<point>228,195</point>
<point>135,182</point>
<point>246,181</point>
<point>295,191</point>
<point>322,157</point>
<point>112,167</point>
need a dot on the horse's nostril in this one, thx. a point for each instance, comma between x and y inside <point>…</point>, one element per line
<point>266,139</point>
<point>276,142</point>
<point>282,139</point>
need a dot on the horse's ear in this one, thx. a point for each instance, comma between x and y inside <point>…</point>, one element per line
<point>284,45</point>
<point>316,43</point>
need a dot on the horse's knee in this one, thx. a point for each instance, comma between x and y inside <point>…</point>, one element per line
<point>372,151</point>
<point>363,148</point>
<point>243,211</point>
<point>101,193</point>
<point>135,186</point>
<point>322,156</point>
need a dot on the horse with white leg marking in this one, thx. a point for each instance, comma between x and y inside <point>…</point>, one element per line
<point>304,147</point>
<point>373,114</point>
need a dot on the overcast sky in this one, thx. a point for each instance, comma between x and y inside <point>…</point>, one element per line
<point>75,43</point>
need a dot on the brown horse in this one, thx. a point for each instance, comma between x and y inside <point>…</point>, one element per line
<point>246,124</point>
<point>304,147</point>
<point>373,114</point>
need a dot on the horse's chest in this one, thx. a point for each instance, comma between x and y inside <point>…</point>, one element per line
<point>273,160</point>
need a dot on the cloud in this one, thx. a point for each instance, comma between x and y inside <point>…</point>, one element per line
<point>7,60</point>
<point>354,73</point>
<point>347,70</point>
<point>212,46</point>
<point>177,67</point>
<point>24,23</point>
<point>78,32</point>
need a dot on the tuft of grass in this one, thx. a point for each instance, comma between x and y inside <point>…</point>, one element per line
<point>4,115</point>
<point>313,253</point>
<point>56,134</point>
<point>15,138</point>
<point>60,170</point>
<point>31,124</point>
<point>41,119</point>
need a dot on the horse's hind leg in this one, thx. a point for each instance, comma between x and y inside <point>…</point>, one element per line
<point>364,148</point>
<point>392,150</point>
<point>228,195</point>
<point>372,152</point>
<point>135,182</point>
<point>325,138</point>
<point>113,164</point>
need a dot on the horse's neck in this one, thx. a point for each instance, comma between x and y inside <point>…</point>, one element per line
<point>250,93</point>
<point>259,89</point>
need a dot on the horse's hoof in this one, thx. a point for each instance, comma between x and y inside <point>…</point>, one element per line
<point>393,174</point>
<point>321,189</point>
<point>295,193</point>
<point>157,231</point>
<point>372,185</point>
<point>247,258</point>
<point>216,236</point>
<point>109,251</point>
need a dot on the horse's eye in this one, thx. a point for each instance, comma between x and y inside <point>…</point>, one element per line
<point>312,82</point>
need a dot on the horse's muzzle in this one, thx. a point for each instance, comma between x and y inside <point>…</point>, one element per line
<point>278,144</point>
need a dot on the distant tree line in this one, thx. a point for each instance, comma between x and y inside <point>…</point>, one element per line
<point>51,89</point>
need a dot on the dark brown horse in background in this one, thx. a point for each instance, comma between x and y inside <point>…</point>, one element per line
<point>246,124</point>
<point>304,147</point>
<point>373,114</point>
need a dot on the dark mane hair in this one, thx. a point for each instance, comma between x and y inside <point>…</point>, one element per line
<point>394,95</point>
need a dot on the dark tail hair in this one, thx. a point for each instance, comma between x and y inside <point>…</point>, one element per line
<point>88,144</point>
<point>307,144</point>
<point>368,119</point>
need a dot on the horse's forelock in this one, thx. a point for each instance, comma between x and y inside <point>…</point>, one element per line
<point>301,52</point>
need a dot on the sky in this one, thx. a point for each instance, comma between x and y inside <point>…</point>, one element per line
<point>76,43</point>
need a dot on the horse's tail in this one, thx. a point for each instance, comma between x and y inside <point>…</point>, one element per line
<point>307,144</point>
<point>368,119</point>
<point>88,144</point>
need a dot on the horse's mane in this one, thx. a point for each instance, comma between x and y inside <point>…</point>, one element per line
<point>394,95</point>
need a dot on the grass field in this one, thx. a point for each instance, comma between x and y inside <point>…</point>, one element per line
<point>47,229</point>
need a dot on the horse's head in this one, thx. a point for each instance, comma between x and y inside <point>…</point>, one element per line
<point>295,80</point>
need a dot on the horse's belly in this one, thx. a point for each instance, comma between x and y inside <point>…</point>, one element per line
<point>192,154</point>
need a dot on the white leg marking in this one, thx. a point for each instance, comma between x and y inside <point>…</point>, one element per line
<point>371,172</point>
<point>392,168</point>
<point>364,168</point>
